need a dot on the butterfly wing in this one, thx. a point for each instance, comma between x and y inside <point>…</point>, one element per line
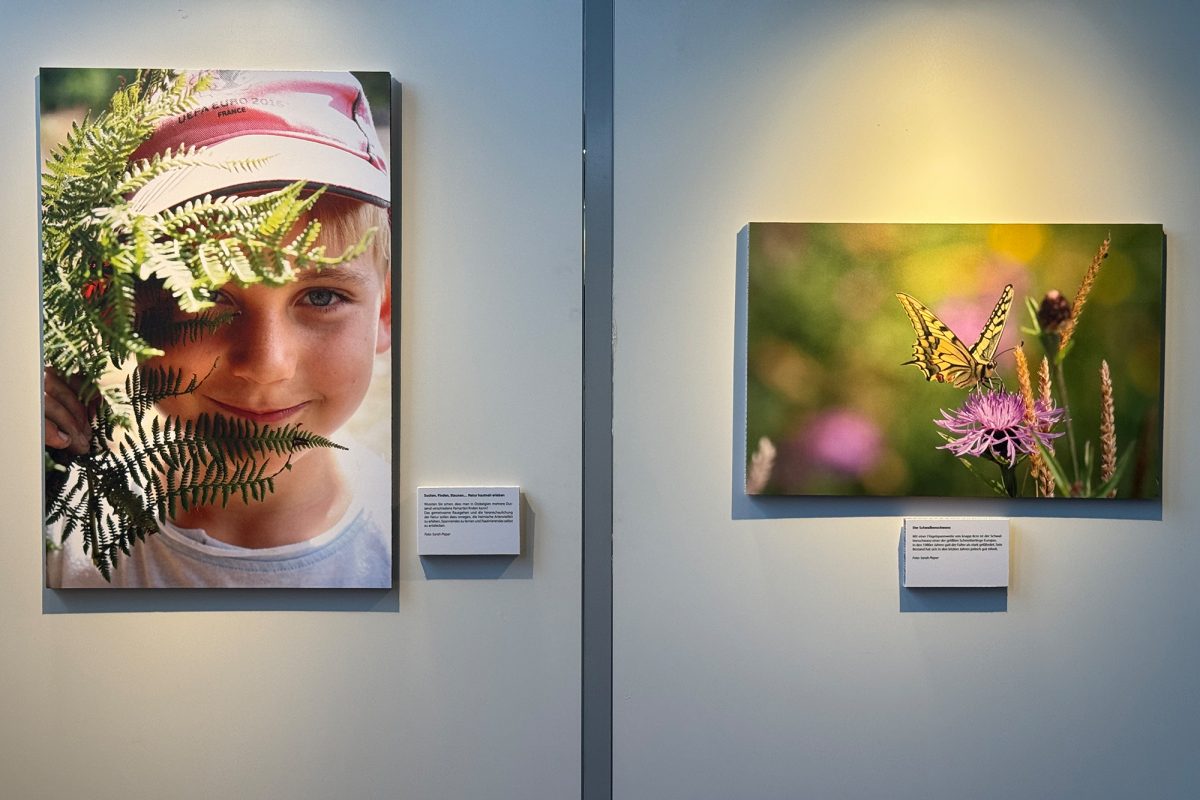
<point>938,353</point>
<point>984,350</point>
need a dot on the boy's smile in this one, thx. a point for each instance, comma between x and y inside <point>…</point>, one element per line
<point>263,416</point>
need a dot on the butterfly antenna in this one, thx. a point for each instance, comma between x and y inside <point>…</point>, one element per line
<point>1017,346</point>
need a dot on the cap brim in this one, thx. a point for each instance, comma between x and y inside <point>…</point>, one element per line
<point>274,161</point>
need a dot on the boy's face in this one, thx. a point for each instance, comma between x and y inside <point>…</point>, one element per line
<point>298,353</point>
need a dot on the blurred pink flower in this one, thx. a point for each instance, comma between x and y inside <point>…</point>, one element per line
<point>844,441</point>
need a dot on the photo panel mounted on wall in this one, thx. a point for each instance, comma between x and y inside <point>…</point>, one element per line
<point>954,360</point>
<point>217,318</point>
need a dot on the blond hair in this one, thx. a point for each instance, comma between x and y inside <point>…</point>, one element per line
<point>345,220</point>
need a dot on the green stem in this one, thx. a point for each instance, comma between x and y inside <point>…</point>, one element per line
<point>1066,406</point>
<point>1008,474</point>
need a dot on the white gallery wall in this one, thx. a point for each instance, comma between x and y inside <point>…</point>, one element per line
<point>464,681</point>
<point>768,658</point>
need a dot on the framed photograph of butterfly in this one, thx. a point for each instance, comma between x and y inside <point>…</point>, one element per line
<point>953,360</point>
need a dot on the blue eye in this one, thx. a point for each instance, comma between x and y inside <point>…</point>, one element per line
<point>321,298</point>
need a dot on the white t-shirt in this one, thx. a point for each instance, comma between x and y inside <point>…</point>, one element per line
<point>356,552</point>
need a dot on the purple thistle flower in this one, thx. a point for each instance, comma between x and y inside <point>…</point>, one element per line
<point>992,424</point>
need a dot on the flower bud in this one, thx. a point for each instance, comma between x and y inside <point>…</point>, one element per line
<point>1054,311</point>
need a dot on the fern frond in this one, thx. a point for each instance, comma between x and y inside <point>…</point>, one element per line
<point>146,386</point>
<point>158,327</point>
<point>144,170</point>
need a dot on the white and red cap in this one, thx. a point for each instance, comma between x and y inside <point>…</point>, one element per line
<point>299,126</point>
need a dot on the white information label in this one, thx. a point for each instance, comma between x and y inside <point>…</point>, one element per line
<point>955,551</point>
<point>470,520</point>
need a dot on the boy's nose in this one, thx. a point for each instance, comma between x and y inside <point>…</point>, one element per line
<point>262,351</point>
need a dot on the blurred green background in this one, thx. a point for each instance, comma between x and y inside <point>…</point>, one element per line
<point>827,338</point>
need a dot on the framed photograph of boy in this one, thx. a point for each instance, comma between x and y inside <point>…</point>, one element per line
<point>217,320</point>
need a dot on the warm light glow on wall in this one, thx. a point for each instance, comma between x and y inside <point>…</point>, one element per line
<point>952,114</point>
